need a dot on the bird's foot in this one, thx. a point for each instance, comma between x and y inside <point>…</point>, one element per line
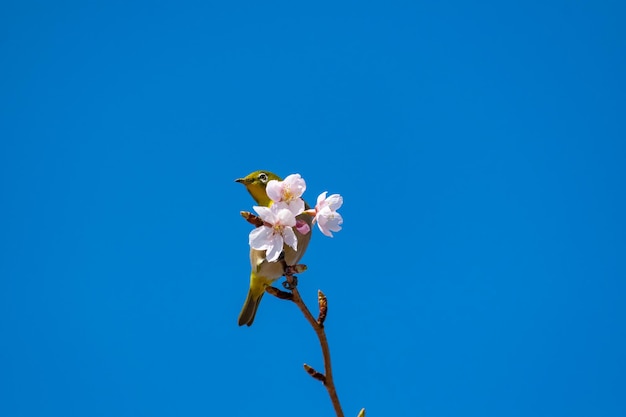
<point>291,282</point>
<point>294,269</point>
<point>283,295</point>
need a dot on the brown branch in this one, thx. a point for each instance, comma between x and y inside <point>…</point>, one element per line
<point>321,335</point>
<point>283,295</point>
<point>252,218</point>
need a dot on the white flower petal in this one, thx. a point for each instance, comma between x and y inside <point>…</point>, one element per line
<point>296,206</point>
<point>290,238</point>
<point>328,220</point>
<point>274,248</point>
<point>274,190</point>
<point>260,237</point>
<point>322,225</point>
<point>334,202</point>
<point>295,184</point>
<point>276,207</point>
<point>299,187</point>
<point>291,178</point>
<point>285,217</point>
<point>334,222</point>
<point>265,213</point>
<point>320,200</point>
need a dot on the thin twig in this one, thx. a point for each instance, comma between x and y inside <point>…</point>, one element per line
<point>252,218</point>
<point>321,335</point>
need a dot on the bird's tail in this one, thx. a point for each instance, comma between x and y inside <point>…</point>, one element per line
<point>250,306</point>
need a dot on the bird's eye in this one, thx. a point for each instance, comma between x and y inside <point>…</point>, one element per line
<point>263,177</point>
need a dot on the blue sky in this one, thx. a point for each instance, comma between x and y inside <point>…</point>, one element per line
<point>479,148</point>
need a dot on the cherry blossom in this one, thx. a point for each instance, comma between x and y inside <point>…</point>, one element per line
<point>277,231</point>
<point>325,212</point>
<point>288,191</point>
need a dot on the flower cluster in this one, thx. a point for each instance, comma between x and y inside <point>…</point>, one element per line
<point>280,217</point>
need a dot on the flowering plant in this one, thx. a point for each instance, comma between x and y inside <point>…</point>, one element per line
<point>279,218</point>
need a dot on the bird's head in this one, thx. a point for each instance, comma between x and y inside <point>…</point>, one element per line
<point>256,182</point>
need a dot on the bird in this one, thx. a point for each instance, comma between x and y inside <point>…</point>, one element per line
<point>264,273</point>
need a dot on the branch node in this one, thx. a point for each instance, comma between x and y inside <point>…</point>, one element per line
<point>316,375</point>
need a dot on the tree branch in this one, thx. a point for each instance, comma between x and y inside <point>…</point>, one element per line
<point>318,325</point>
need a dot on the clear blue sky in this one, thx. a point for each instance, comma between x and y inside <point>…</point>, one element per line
<point>480,149</point>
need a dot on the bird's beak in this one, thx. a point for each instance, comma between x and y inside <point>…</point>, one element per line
<point>241,180</point>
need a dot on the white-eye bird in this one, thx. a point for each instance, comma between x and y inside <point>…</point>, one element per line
<point>264,273</point>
